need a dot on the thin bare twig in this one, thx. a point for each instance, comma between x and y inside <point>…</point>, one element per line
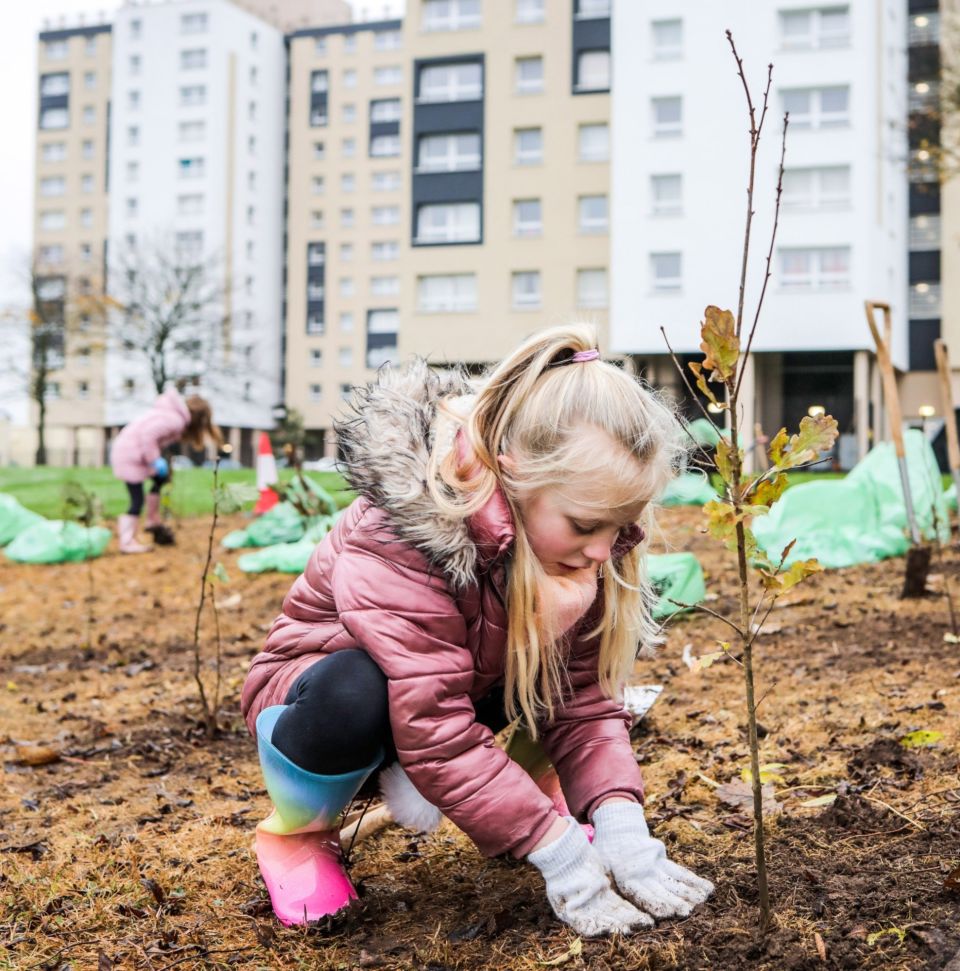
<point>209,717</point>
<point>707,610</point>
<point>683,375</point>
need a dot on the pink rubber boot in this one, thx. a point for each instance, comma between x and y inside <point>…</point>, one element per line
<point>127,534</point>
<point>298,844</point>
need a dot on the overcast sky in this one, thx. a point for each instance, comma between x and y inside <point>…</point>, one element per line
<point>18,54</point>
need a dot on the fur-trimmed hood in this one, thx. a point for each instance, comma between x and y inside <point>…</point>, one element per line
<point>386,439</point>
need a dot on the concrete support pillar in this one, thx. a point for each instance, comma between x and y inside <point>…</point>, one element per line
<point>748,413</point>
<point>329,443</point>
<point>861,401</point>
<point>233,438</point>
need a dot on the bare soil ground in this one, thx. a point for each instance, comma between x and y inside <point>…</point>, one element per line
<point>132,847</point>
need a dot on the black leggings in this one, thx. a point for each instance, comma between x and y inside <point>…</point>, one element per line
<point>338,716</point>
<point>136,493</point>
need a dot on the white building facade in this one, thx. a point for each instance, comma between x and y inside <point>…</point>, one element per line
<point>197,165</point>
<point>679,175</point>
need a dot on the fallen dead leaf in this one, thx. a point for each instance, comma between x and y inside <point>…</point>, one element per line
<point>739,795</point>
<point>821,947</point>
<point>36,755</point>
<point>575,950</point>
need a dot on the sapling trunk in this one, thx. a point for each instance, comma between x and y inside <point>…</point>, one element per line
<point>209,714</point>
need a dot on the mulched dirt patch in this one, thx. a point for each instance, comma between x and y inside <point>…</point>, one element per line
<point>125,834</point>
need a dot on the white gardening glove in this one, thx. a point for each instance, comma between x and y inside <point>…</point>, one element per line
<point>579,890</point>
<point>639,865</point>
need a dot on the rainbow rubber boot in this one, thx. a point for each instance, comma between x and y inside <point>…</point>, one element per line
<point>298,844</point>
<point>530,756</point>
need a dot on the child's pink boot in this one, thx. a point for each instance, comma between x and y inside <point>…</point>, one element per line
<point>298,844</point>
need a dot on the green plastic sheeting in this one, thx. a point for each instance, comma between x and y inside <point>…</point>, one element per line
<point>14,519</point>
<point>287,557</point>
<point>703,433</point>
<point>862,518</point>
<point>950,498</point>
<point>689,489</point>
<point>675,576</point>
<point>281,524</point>
<point>56,541</point>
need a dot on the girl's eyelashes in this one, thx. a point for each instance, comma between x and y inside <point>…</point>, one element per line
<point>583,529</point>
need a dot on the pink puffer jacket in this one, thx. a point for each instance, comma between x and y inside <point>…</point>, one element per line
<point>140,443</point>
<point>422,593</point>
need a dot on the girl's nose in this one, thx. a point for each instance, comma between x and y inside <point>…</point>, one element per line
<point>598,549</point>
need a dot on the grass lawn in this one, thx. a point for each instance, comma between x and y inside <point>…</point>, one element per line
<point>40,489</point>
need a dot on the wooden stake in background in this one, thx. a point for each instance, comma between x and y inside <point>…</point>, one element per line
<point>918,556</point>
<point>949,411</point>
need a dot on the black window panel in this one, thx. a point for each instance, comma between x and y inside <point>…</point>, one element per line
<point>923,6</point>
<point>922,334</point>
<point>818,378</point>
<point>924,198</point>
<point>923,128</point>
<point>925,266</point>
<point>923,63</point>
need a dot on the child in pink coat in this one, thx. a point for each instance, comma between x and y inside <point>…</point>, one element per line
<point>137,455</point>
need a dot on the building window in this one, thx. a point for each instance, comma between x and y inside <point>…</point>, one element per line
<point>190,204</point>
<point>457,222</point>
<point>385,109</point>
<point>348,182</point>
<point>667,116</point>
<point>384,76</point>
<point>133,171</point>
<point>386,181</point>
<point>592,289</point>
<point>345,357</point>
<point>347,218</point>
<point>54,118</point>
<point>348,147</point>
<point>667,272</point>
<point>350,78</point>
<point>251,145</point>
<point>666,195</point>
<point>190,168</point>
<point>592,216</point>
<point>86,149</point>
<point>349,113</point>
<point>316,254</point>
<point>315,323</point>
<point>823,268</point>
<point>346,286</point>
<point>450,15</point>
<point>86,218</point>
<point>193,23</point>
<point>528,12</point>
<point>528,146</point>
<point>385,146</point>
<point>136,28</point>
<point>193,94</point>
<point>588,9</point>
<point>132,207</point>
<point>925,232</point>
<point>826,187</point>
<point>814,108</point>
<point>315,291</point>
<point>83,389</point>
<point>51,390</point>
<point>447,293</point>
<point>346,252</point>
<point>924,29</point>
<point>667,39</point>
<point>345,322</point>
<point>450,82</point>
<point>191,131</point>
<point>527,217</point>
<point>90,45</point>
<point>51,254</point>
<point>350,43</point>
<point>316,185</point>
<point>192,60</point>
<point>316,392</point>
<point>594,142</point>
<point>133,100</point>
<point>384,286</point>
<point>925,300</point>
<point>448,153</point>
<point>54,85</point>
<point>55,185</point>
<point>316,219</point>
<point>528,75</point>
<point>525,289</point>
<point>133,65</point>
<point>54,151</point>
<point>818,29</point>
<point>320,45</point>
<point>133,135</point>
<point>346,392</point>
<point>51,288</point>
<point>384,252</point>
<point>385,215</point>
<point>382,328</point>
<point>387,40</point>
<point>593,71</point>
<point>319,151</point>
<point>254,40</point>
<point>55,50</point>
<point>316,357</point>
<point>86,184</point>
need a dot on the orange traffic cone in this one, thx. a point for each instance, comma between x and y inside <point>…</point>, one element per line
<point>266,476</point>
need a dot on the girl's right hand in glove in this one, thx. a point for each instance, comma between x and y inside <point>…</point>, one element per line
<point>579,890</point>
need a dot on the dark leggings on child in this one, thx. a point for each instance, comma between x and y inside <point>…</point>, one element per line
<point>136,493</point>
<point>338,717</point>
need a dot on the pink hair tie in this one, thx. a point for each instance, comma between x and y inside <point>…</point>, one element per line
<point>581,357</point>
